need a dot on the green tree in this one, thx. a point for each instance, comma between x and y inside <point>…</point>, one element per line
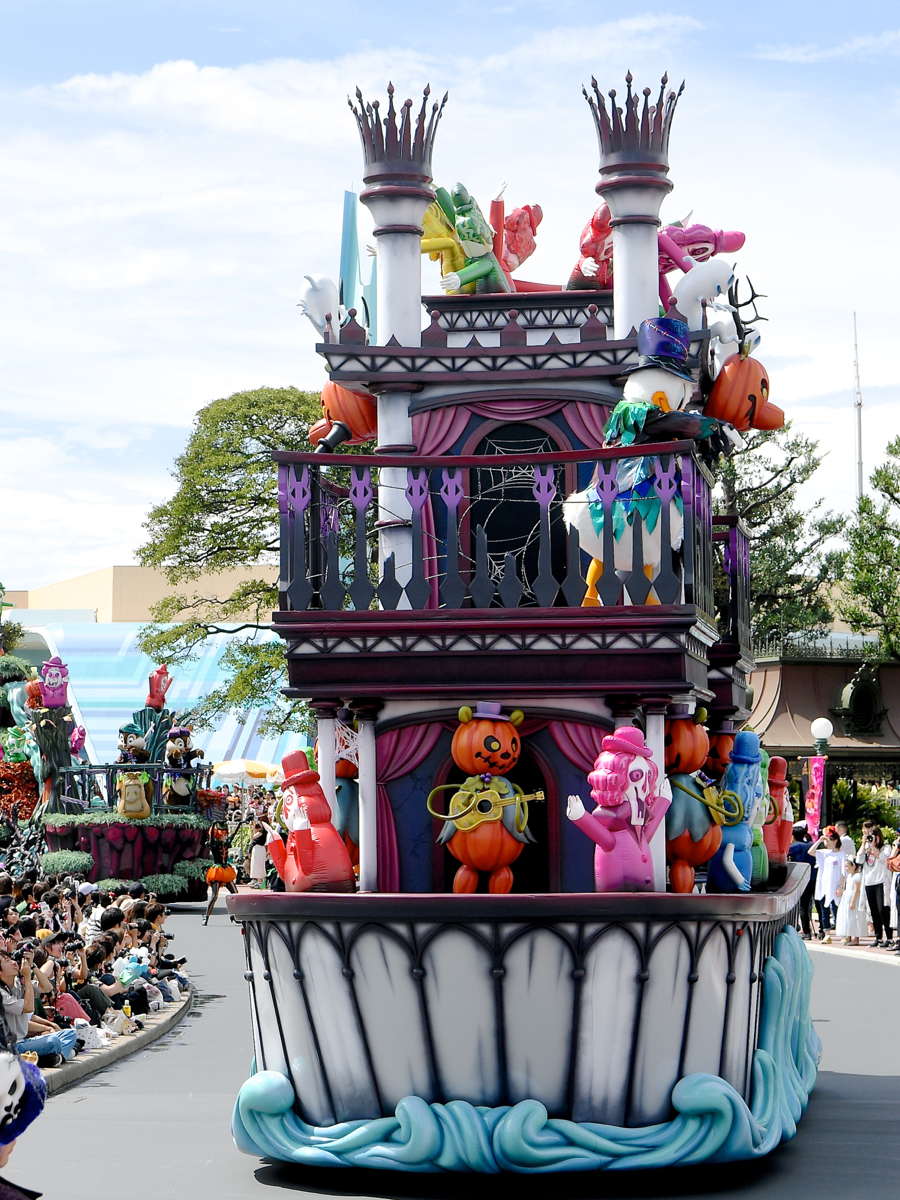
<point>870,601</point>
<point>224,515</point>
<point>792,566</point>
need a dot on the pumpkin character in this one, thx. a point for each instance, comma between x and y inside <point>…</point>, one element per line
<point>487,744</point>
<point>740,395</point>
<point>721,744</point>
<point>687,744</point>
<point>349,417</point>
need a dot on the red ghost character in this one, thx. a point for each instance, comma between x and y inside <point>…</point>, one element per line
<point>315,858</point>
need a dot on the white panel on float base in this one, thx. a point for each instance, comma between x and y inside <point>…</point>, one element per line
<point>607,1012</point>
<point>538,994</point>
<point>391,1014</point>
<point>331,1006</point>
<point>460,993</point>
<point>305,1068</point>
<point>663,1013</point>
<point>709,997</point>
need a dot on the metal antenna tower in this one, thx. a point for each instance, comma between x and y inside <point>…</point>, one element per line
<point>857,404</point>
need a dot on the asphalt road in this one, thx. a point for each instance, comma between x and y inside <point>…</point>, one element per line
<point>158,1123</point>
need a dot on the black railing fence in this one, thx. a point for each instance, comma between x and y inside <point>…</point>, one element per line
<point>497,531</point>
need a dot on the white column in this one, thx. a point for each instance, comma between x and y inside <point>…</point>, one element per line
<point>368,810</point>
<point>634,207</point>
<point>655,737</point>
<point>326,760</point>
<point>397,218</point>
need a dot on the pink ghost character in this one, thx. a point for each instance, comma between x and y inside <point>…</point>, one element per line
<point>54,682</point>
<point>683,246</point>
<point>628,813</point>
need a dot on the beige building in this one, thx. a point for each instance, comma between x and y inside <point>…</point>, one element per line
<point>122,593</point>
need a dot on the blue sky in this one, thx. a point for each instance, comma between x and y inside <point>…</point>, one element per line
<point>169,172</point>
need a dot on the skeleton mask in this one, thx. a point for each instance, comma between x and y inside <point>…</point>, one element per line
<point>12,1090</point>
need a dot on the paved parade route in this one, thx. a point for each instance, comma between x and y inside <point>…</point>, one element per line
<point>158,1122</point>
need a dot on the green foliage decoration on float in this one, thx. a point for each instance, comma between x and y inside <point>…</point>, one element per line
<point>194,868</point>
<point>158,820</point>
<point>67,862</point>
<point>165,885</point>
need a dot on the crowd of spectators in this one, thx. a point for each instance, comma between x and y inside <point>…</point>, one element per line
<point>79,967</point>
<point>855,889</point>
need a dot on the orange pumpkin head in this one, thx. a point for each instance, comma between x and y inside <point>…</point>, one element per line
<point>486,742</point>
<point>353,409</point>
<point>720,747</point>
<point>687,746</point>
<point>741,395</point>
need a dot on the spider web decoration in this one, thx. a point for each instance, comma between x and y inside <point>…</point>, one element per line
<point>346,743</point>
<point>503,502</point>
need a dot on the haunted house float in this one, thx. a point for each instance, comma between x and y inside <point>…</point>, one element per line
<point>553,600</point>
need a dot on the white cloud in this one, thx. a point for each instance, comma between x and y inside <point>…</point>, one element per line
<point>855,49</point>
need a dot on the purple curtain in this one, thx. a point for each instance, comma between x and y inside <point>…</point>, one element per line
<point>579,743</point>
<point>519,410</point>
<point>396,754</point>
<point>586,421</point>
<point>435,431</point>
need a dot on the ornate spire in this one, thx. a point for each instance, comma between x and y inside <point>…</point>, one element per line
<point>386,142</point>
<point>627,137</point>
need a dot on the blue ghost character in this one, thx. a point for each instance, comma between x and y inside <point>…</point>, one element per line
<point>731,867</point>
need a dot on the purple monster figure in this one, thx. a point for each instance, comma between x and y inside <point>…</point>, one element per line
<point>54,682</point>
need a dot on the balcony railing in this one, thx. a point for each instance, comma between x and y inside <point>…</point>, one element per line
<point>94,787</point>
<point>498,531</point>
<point>730,536</point>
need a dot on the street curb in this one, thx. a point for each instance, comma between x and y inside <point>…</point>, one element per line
<point>855,952</point>
<point>90,1061</point>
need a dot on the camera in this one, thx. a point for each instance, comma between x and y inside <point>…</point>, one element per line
<point>74,944</point>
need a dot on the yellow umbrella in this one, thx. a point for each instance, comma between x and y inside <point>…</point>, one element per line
<point>244,771</point>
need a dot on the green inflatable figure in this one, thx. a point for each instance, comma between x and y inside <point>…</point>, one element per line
<point>476,239</point>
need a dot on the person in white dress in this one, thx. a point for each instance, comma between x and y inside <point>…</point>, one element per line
<point>851,916</point>
<point>829,873</point>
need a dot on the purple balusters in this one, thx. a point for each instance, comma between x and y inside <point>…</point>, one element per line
<point>545,587</point>
<point>418,590</point>
<point>453,590</point>
<point>361,495</point>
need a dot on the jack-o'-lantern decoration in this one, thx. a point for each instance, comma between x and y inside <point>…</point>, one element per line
<point>687,743</point>
<point>486,742</point>
<point>355,411</point>
<point>740,395</point>
<point>721,744</point>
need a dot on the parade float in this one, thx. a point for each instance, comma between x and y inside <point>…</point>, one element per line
<point>567,950</point>
<point>146,816</point>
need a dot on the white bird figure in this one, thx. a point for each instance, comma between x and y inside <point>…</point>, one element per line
<point>318,298</point>
<point>670,393</point>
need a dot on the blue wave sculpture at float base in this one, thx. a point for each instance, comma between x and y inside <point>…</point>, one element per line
<point>713,1122</point>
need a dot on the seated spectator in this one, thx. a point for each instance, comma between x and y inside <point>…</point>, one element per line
<point>52,1044</point>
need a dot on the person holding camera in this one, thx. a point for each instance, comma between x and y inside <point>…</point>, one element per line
<point>54,1045</point>
<point>876,880</point>
<point>829,875</point>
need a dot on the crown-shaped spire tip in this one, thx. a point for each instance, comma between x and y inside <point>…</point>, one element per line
<point>397,138</point>
<point>633,132</point>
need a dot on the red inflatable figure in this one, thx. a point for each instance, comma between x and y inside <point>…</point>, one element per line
<point>777,835</point>
<point>315,858</point>
<point>160,682</point>
<point>594,270</point>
